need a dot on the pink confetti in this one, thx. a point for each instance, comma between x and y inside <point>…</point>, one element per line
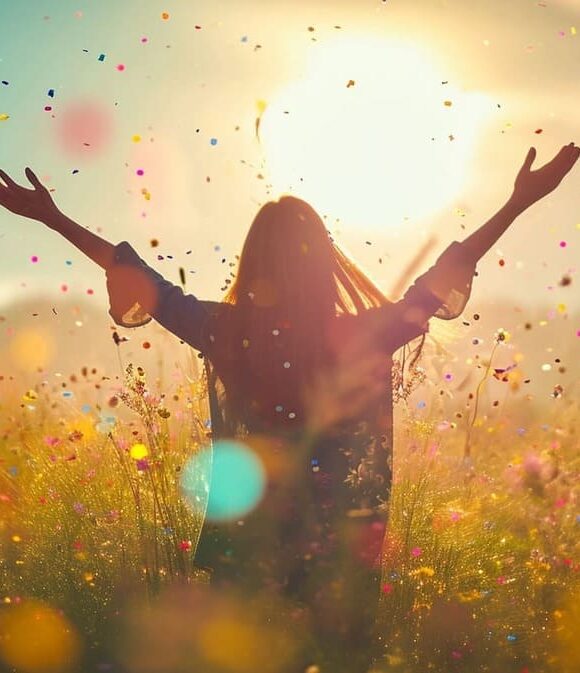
<point>120,67</point>
<point>563,244</point>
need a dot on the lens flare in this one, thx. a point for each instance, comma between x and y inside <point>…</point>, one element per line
<point>35,638</point>
<point>237,482</point>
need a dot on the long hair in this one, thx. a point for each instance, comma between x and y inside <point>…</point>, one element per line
<point>291,274</point>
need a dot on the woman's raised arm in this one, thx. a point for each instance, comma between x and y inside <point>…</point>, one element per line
<point>137,293</point>
<point>530,186</point>
<point>37,204</point>
<point>444,290</point>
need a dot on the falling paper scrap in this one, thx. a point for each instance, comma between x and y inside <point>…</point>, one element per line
<point>261,105</point>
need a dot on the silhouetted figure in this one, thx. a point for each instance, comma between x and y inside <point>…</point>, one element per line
<point>300,354</point>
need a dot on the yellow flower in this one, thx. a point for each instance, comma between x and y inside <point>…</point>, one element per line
<point>138,451</point>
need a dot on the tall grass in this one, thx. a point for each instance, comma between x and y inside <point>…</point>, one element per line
<point>480,558</point>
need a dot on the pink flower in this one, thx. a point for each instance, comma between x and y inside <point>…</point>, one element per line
<point>142,465</point>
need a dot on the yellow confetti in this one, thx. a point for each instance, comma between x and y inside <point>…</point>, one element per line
<point>572,30</point>
<point>4,117</point>
<point>136,138</point>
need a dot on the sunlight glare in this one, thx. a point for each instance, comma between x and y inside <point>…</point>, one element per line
<point>384,148</point>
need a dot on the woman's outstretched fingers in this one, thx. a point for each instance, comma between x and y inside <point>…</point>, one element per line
<point>32,177</point>
<point>529,160</point>
<point>7,179</point>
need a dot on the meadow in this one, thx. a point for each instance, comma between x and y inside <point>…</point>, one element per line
<point>97,543</point>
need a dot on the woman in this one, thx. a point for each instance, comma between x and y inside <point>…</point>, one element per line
<point>300,352</point>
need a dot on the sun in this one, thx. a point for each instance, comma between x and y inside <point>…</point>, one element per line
<point>372,134</point>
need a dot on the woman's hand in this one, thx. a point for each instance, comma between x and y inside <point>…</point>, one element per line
<point>37,203</point>
<point>531,186</point>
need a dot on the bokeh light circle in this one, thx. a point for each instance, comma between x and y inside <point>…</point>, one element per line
<point>84,127</point>
<point>35,638</point>
<point>233,480</point>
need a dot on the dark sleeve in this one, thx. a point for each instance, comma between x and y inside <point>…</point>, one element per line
<point>441,292</point>
<point>137,293</point>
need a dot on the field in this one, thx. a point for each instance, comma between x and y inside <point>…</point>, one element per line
<point>97,541</point>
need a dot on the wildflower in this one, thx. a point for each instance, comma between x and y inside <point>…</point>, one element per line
<point>138,451</point>
<point>142,465</point>
<point>502,335</point>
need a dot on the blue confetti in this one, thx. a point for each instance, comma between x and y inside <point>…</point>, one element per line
<point>101,57</point>
<point>213,141</point>
<point>51,93</point>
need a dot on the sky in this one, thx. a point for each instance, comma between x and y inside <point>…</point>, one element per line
<point>400,121</point>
